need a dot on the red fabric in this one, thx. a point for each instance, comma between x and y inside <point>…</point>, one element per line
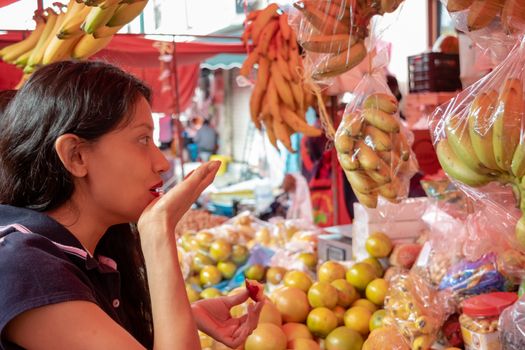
<point>137,55</point>
<point>6,2</point>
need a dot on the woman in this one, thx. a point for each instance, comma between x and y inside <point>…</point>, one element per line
<point>77,165</point>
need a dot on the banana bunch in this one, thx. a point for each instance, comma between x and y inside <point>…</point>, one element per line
<point>77,31</point>
<point>337,29</point>
<point>280,98</point>
<point>373,152</point>
<point>481,13</point>
<point>487,145</point>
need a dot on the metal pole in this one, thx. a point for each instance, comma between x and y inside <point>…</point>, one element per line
<point>335,166</point>
<point>175,86</point>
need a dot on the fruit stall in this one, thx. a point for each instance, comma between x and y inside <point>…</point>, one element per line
<point>441,271</point>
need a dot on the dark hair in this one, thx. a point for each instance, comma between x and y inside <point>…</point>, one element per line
<point>88,99</point>
<point>5,97</point>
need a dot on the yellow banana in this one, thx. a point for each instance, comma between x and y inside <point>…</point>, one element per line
<point>401,146</point>
<point>348,161</point>
<point>381,175</point>
<point>480,127</point>
<point>283,67</point>
<point>380,140</point>
<point>286,30</point>
<point>60,49</point>
<point>249,62</point>
<point>75,16</point>
<point>458,5</point>
<point>323,22</point>
<point>294,65</point>
<point>457,169</point>
<point>368,159</point>
<point>282,86</point>
<point>52,24</point>
<point>482,12</point>
<point>88,46</point>
<point>296,123</point>
<point>390,190</point>
<point>385,102</point>
<point>263,72</point>
<point>282,134</point>
<point>255,104</point>
<point>329,43</point>
<point>13,51</point>
<point>125,13</point>
<point>268,127</point>
<point>21,61</point>
<point>298,95</point>
<point>340,63</point>
<point>518,160</point>
<point>267,34</point>
<point>262,19</point>
<point>105,31</point>
<point>353,123</point>
<point>343,142</point>
<point>513,16</point>
<point>99,16</point>
<point>458,137</point>
<point>507,123</point>
<point>381,120</point>
<point>360,181</point>
<point>520,232</point>
<point>369,200</point>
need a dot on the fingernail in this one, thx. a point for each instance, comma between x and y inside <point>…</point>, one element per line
<point>214,164</point>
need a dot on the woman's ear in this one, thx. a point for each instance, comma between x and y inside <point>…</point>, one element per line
<point>69,150</point>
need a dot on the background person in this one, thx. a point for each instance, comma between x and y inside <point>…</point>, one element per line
<point>206,140</point>
<point>77,165</point>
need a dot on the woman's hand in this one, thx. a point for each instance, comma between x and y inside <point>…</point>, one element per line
<point>213,318</point>
<point>166,211</point>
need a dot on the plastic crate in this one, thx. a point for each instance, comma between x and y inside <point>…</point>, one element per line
<point>434,71</point>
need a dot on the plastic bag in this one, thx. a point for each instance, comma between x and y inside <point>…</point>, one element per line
<point>333,33</point>
<point>479,135</point>
<point>512,326</point>
<point>373,145</point>
<point>494,26</point>
<point>416,309</point>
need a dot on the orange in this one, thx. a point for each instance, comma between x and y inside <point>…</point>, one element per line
<point>346,293</point>
<point>205,239</point>
<point>266,336</point>
<point>360,274</point>
<point>376,321</point>
<point>303,344</point>
<point>294,330</point>
<point>366,304</point>
<point>220,250</point>
<point>343,338</point>
<point>330,271</point>
<point>239,254</point>
<point>292,303</point>
<point>378,245</point>
<point>210,293</point>
<point>254,272</point>
<point>199,261</point>
<point>299,279</point>
<point>308,259</point>
<point>358,319</point>
<point>385,338</point>
<point>322,294</point>
<point>321,321</point>
<point>227,268</point>
<point>193,295</point>
<point>275,274</point>
<point>339,312</point>
<point>270,314</point>
<point>376,291</point>
<point>376,264</point>
<point>210,275</point>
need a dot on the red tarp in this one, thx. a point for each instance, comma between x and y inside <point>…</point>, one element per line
<point>136,54</point>
<point>6,2</point>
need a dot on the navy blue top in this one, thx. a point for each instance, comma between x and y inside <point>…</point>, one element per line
<point>42,263</point>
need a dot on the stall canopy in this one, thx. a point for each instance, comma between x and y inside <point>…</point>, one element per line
<point>138,55</point>
<point>6,2</point>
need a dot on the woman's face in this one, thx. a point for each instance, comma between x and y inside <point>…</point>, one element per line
<point>124,168</point>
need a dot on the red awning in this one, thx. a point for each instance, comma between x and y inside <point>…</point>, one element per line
<point>136,54</point>
<point>6,2</point>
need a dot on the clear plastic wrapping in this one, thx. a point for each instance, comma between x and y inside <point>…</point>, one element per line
<point>494,25</point>
<point>479,138</point>
<point>512,326</point>
<point>374,146</point>
<point>333,33</point>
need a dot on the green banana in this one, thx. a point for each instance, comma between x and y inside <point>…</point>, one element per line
<point>360,181</point>
<point>458,5</point>
<point>520,232</point>
<point>457,169</point>
<point>369,200</point>
<point>518,160</point>
<point>98,16</point>
<point>480,127</point>
<point>366,156</point>
<point>507,123</point>
<point>482,12</point>
<point>458,138</point>
<point>348,161</point>
<point>385,102</point>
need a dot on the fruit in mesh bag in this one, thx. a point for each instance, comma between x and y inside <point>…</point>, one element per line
<point>372,150</point>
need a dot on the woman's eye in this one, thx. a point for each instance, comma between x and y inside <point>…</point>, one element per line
<point>145,140</point>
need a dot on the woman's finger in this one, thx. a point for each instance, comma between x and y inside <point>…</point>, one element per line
<point>236,299</point>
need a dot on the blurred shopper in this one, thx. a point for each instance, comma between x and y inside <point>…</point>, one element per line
<point>206,140</point>
<point>88,256</point>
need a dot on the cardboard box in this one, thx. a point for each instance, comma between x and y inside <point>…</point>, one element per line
<point>402,222</point>
<point>334,246</point>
